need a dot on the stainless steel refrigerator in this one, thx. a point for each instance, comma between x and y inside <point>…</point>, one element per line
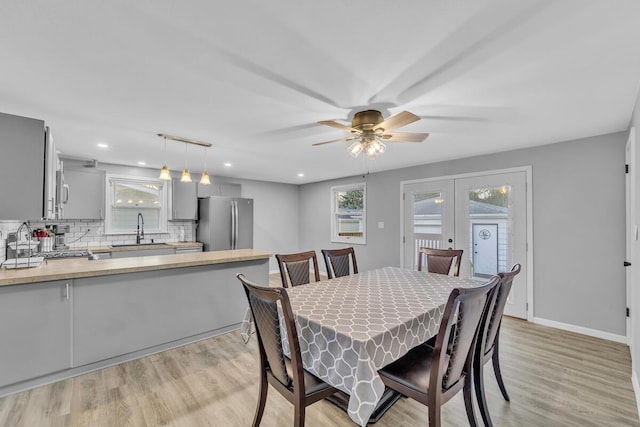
<point>225,223</point>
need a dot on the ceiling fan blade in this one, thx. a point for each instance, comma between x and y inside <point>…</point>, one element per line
<point>339,126</point>
<point>405,137</point>
<point>346,138</point>
<point>401,119</point>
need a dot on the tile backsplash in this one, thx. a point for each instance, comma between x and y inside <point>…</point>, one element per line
<point>87,234</point>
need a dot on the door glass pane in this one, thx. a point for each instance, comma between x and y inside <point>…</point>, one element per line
<point>489,230</point>
<point>427,221</point>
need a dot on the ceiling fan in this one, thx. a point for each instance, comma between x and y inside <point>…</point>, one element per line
<point>370,132</point>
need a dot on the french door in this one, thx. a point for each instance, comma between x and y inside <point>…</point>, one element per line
<point>484,215</point>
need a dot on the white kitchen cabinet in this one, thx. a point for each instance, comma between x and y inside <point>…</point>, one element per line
<point>86,194</point>
<point>184,201</point>
<point>36,331</point>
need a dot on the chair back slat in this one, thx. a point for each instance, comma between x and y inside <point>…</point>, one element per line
<point>464,309</point>
<point>440,260</point>
<point>294,268</point>
<point>337,262</point>
<point>340,265</point>
<point>298,272</point>
<point>267,323</point>
<point>502,291</point>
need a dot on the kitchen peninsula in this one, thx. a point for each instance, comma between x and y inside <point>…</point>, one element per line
<point>71,316</point>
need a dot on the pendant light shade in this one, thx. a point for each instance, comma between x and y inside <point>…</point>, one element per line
<point>165,175</point>
<point>186,176</point>
<point>204,179</point>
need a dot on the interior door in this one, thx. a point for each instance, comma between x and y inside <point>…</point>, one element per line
<point>428,218</point>
<point>491,228</point>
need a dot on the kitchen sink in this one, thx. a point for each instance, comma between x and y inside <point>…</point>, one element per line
<point>133,245</point>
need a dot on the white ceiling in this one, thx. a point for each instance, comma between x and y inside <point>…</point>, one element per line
<point>255,77</point>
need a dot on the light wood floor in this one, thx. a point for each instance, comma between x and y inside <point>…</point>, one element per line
<point>555,378</point>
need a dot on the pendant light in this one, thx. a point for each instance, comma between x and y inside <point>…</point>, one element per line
<point>165,175</point>
<point>186,176</point>
<point>204,179</point>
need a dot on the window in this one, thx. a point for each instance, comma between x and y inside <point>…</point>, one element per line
<point>348,219</point>
<point>129,196</point>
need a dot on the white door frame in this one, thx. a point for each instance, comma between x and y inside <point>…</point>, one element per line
<point>529,235</point>
<point>631,230</point>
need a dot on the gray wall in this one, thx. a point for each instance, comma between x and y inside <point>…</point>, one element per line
<point>275,227</point>
<point>578,224</point>
<point>275,216</point>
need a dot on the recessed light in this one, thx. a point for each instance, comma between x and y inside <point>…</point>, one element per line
<point>300,175</point>
<point>227,165</point>
<point>142,164</point>
<point>102,145</point>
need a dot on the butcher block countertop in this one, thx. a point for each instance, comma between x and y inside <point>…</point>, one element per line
<point>71,268</point>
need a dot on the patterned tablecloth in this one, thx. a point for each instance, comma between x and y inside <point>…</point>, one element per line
<point>352,326</point>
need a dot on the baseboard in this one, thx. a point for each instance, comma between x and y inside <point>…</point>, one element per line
<point>636,388</point>
<point>580,330</point>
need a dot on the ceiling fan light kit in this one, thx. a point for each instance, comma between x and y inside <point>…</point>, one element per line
<point>370,129</point>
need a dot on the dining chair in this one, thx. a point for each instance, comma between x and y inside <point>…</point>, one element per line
<point>440,260</point>
<point>294,268</point>
<point>337,261</point>
<point>433,375</point>
<point>488,350</point>
<point>285,374</point>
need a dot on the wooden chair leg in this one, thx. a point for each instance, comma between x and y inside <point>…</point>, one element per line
<point>478,380</point>
<point>496,368</point>
<point>434,415</point>
<point>468,402</point>
<point>262,399</point>
<point>298,420</point>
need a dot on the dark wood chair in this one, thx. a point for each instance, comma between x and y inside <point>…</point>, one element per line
<point>337,262</point>
<point>283,373</point>
<point>433,375</point>
<point>440,260</point>
<point>294,268</point>
<point>488,350</point>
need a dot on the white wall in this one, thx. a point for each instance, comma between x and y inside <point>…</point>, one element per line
<point>578,224</point>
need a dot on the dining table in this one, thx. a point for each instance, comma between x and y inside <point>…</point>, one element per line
<point>349,327</point>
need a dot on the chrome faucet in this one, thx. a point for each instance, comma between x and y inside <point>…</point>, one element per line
<point>140,233</point>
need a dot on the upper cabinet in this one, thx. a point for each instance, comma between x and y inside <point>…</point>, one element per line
<point>22,165</point>
<point>85,194</point>
<point>224,189</point>
<point>184,201</point>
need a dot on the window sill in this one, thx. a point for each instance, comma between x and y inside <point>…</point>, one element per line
<point>350,241</point>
